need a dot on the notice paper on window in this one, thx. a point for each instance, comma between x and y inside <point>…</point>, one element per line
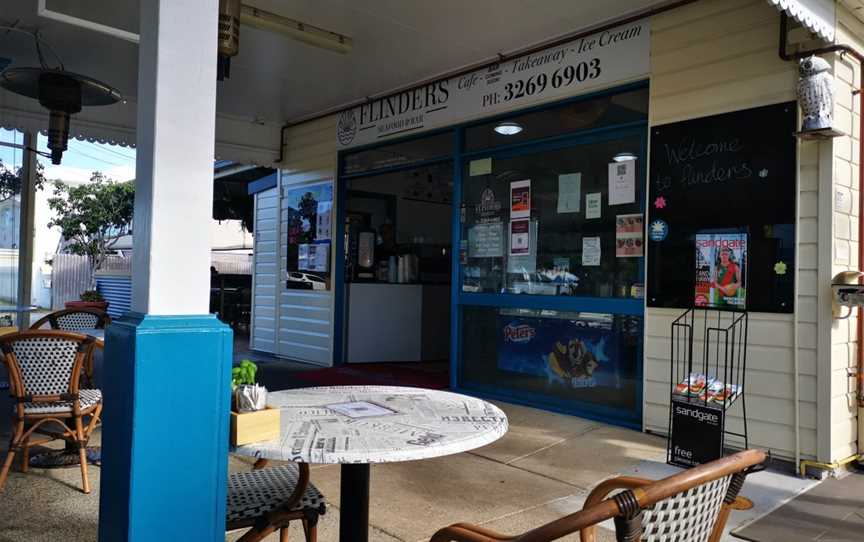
<point>593,205</point>
<point>622,182</point>
<point>628,236</point>
<point>569,192</point>
<point>486,240</point>
<point>524,262</point>
<point>482,166</point>
<point>322,221</point>
<point>520,235</point>
<point>520,199</point>
<point>591,251</point>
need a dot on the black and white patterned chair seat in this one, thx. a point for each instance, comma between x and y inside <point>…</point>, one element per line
<point>254,493</point>
<point>686,517</point>
<point>86,398</point>
<point>77,321</point>
<point>45,363</point>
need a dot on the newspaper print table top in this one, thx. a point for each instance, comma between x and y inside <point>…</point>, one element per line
<point>376,424</point>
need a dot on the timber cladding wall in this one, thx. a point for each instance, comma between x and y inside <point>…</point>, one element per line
<point>839,396</point>
<point>713,57</point>
<point>304,318</point>
<point>295,324</point>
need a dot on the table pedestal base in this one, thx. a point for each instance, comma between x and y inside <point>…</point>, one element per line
<point>354,503</point>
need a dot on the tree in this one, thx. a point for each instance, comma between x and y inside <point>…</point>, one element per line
<point>92,217</point>
<point>11,180</point>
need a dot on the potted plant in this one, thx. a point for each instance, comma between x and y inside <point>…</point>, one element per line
<point>90,299</point>
<point>251,419</point>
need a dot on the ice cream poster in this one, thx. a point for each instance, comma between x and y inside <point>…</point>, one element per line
<point>573,353</point>
<point>721,263</point>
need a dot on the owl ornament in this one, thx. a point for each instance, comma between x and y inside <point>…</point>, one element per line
<point>816,93</point>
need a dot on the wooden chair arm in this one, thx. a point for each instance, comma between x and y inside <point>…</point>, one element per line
<point>465,532</point>
<point>599,493</point>
<point>598,509</point>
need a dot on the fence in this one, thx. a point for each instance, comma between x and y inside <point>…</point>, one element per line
<point>71,273</point>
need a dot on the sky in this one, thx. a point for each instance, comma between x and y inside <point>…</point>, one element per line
<point>80,160</point>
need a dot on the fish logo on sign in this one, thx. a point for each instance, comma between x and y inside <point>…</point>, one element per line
<point>658,230</point>
<point>346,129</point>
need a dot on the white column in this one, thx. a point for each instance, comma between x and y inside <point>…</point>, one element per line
<point>174,178</point>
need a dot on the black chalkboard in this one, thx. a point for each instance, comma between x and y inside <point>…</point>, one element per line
<point>733,172</point>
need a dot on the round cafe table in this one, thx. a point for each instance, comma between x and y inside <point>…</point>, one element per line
<point>355,426</point>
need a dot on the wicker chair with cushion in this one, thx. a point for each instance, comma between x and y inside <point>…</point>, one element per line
<point>44,371</point>
<point>78,321</point>
<point>74,320</point>
<point>691,506</point>
<point>268,499</point>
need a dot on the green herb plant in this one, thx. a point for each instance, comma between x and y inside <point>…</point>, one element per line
<point>243,374</point>
<point>92,295</point>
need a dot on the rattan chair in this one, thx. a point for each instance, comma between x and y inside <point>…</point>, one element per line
<point>76,320</point>
<point>257,499</point>
<point>44,371</point>
<point>691,506</point>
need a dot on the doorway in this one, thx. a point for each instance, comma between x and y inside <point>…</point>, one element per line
<point>398,262</point>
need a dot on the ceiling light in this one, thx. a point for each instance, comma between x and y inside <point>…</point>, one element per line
<point>508,128</point>
<point>300,31</point>
<point>624,157</point>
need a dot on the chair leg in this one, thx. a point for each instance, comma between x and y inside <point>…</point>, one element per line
<point>82,451</point>
<point>25,456</point>
<point>283,534</point>
<point>14,443</point>
<point>310,530</point>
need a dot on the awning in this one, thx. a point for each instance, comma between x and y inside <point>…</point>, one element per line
<point>237,139</point>
<point>817,16</point>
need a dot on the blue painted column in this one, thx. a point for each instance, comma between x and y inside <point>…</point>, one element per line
<point>165,429</point>
<point>167,364</point>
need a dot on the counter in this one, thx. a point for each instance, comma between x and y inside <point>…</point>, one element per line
<point>397,322</point>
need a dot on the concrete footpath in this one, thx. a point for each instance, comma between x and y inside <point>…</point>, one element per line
<point>541,470</point>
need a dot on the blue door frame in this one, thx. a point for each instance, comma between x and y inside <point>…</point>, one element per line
<point>459,299</point>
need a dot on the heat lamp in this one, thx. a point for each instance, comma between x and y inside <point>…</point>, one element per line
<point>63,93</point>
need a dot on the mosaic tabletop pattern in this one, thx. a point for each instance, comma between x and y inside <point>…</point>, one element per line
<point>376,424</point>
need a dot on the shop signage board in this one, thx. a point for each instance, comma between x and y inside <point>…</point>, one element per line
<point>603,59</point>
<point>697,433</point>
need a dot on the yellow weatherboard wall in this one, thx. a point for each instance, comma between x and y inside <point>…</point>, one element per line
<point>709,57</point>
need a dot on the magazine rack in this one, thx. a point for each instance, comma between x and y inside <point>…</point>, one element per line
<point>708,375</point>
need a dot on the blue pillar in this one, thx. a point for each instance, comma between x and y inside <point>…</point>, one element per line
<point>165,431</point>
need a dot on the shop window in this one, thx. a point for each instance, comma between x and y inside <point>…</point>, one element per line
<point>557,358</point>
<point>399,154</point>
<point>592,113</point>
<point>546,223</point>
